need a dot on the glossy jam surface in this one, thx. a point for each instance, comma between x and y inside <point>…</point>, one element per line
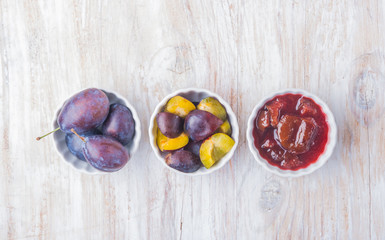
<point>290,131</point>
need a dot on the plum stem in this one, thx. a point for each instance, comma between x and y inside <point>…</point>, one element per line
<point>38,138</point>
<point>81,138</point>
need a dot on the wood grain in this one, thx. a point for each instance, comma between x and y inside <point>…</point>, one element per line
<point>241,49</point>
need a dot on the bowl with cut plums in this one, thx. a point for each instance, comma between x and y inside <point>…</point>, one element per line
<point>96,131</point>
<point>291,133</point>
<point>193,132</point>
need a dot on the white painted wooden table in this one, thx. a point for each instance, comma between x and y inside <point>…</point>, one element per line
<point>241,49</point>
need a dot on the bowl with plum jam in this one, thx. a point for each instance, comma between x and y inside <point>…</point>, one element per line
<point>291,133</point>
<point>193,132</point>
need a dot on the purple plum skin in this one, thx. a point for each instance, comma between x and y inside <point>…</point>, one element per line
<point>193,147</point>
<point>119,124</point>
<point>169,124</point>
<point>84,111</point>
<point>199,124</point>
<point>75,144</point>
<point>183,161</point>
<point>105,153</point>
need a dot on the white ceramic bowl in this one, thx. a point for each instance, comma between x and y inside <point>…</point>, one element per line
<point>322,159</point>
<point>194,95</point>
<point>83,166</point>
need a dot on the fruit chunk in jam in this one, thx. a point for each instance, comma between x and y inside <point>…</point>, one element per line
<point>280,156</point>
<point>263,120</point>
<point>291,161</point>
<point>290,131</point>
<point>274,109</point>
<point>306,107</point>
<point>296,134</point>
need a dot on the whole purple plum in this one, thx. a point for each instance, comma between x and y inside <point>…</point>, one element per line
<point>119,124</point>
<point>75,144</point>
<point>84,111</point>
<point>105,153</point>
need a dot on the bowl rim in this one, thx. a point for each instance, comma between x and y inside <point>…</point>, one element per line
<point>135,140</point>
<point>322,159</point>
<point>231,116</point>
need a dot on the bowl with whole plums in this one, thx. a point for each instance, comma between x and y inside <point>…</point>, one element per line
<point>96,131</point>
<point>193,131</point>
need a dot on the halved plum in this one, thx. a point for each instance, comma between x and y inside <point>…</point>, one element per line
<point>199,124</point>
<point>183,161</point>
<point>179,106</point>
<point>215,148</point>
<point>169,144</point>
<point>225,128</point>
<point>169,124</point>
<point>213,106</point>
